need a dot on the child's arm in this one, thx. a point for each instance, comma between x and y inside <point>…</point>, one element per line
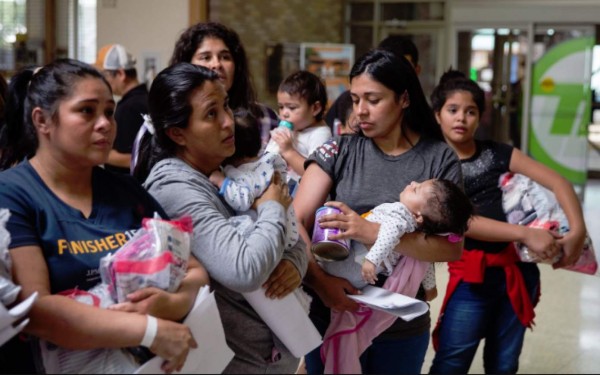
<point>369,271</point>
<point>217,177</point>
<point>286,148</point>
<point>240,197</point>
<point>382,250</point>
<point>572,242</point>
<point>429,283</point>
<point>540,241</point>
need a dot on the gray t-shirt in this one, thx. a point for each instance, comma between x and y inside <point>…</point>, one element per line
<point>364,177</point>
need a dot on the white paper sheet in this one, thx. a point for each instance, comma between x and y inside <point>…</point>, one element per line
<point>8,317</point>
<point>212,354</point>
<point>288,320</point>
<point>397,304</point>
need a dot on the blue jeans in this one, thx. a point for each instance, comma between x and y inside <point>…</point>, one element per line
<point>384,356</point>
<point>482,311</point>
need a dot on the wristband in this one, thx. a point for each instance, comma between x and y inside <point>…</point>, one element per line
<point>151,329</point>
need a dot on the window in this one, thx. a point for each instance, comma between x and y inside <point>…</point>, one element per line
<point>13,34</point>
<point>86,31</point>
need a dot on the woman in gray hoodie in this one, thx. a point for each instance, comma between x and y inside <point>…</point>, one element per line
<point>193,133</point>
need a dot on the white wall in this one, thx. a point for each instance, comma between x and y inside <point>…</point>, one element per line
<point>143,27</point>
<point>523,11</point>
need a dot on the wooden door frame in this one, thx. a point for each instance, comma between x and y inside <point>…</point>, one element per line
<point>198,11</point>
<point>50,30</point>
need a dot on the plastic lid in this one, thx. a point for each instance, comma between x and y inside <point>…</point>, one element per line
<point>286,124</point>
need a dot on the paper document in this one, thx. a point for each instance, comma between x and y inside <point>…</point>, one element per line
<point>8,317</point>
<point>288,320</point>
<point>212,354</point>
<point>404,307</point>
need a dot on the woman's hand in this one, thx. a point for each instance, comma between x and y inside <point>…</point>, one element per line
<point>162,304</point>
<point>277,191</point>
<point>333,292</point>
<point>572,246</point>
<point>151,301</point>
<point>542,243</point>
<point>352,225</point>
<point>284,279</point>
<point>172,343</point>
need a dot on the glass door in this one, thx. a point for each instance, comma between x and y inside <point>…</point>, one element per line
<point>538,93</point>
<point>495,58</point>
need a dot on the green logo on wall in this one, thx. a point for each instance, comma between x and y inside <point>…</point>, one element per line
<point>560,108</point>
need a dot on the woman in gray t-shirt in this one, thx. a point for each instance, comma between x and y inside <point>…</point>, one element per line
<point>399,142</point>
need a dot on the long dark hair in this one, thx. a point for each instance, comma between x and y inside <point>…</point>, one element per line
<point>29,89</point>
<point>242,93</point>
<point>3,94</point>
<point>452,81</point>
<point>169,106</point>
<point>396,73</point>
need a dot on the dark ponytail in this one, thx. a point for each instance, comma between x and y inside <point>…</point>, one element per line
<point>29,89</point>
<point>169,106</point>
<point>17,138</point>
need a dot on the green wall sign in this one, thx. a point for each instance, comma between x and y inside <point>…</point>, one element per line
<point>560,108</point>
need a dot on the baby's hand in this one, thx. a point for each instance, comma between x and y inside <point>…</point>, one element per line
<point>368,272</point>
<point>284,139</point>
<point>217,177</point>
<point>431,294</point>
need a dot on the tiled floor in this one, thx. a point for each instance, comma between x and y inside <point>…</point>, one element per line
<point>566,337</point>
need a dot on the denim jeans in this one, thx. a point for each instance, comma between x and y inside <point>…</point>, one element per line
<point>482,311</point>
<point>384,356</point>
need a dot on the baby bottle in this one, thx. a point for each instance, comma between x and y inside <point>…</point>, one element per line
<point>284,125</point>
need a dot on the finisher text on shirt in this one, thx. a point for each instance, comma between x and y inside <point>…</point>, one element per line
<point>108,243</point>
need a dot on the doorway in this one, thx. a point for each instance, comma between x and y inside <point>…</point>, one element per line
<point>536,81</point>
<point>495,58</point>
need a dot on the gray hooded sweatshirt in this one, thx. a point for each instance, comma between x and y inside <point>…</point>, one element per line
<point>235,263</point>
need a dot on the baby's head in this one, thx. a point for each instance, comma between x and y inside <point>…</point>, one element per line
<point>302,99</point>
<point>439,206</point>
<point>346,115</point>
<point>247,137</point>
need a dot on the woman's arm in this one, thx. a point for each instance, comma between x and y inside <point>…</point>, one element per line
<point>572,242</point>
<point>165,305</point>
<point>542,242</point>
<point>429,248</point>
<point>415,245</point>
<point>75,325</point>
<point>312,192</point>
<point>237,262</point>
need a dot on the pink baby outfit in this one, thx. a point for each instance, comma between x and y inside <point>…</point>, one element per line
<point>350,333</point>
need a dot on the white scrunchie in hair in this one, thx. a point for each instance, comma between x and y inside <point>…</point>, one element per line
<point>147,126</point>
